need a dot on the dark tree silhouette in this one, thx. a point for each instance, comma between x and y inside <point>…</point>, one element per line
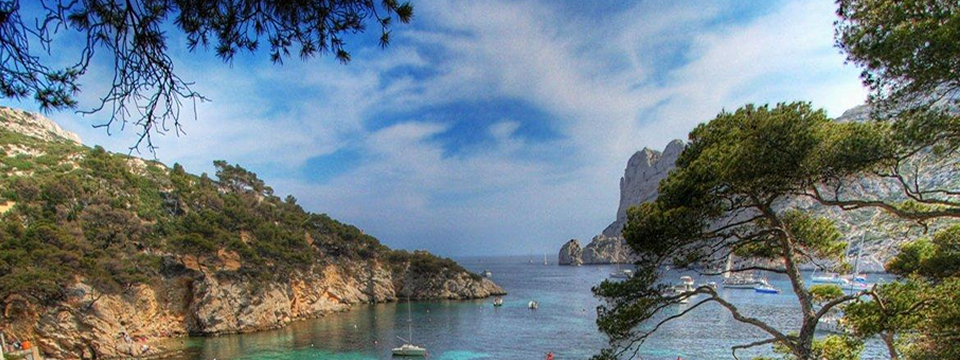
<point>145,90</point>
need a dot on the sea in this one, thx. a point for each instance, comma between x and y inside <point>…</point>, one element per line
<point>564,324</point>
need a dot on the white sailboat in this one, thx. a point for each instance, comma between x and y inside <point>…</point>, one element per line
<point>829,278</point>
<point>857,280</point>
<point>408,349</point>
<point>621,273</point>
<point>545,259</point>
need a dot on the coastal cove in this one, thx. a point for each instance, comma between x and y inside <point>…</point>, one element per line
<point>473,329</point>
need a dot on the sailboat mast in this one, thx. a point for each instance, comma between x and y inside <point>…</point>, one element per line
<point>409,323</point>
<point>856,264</point>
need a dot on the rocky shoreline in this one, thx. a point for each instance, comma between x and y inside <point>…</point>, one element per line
<point>195,301</point>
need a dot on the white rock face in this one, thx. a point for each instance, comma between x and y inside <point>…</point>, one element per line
<point>35,125</point>
<point>571,253</point>
<point>640,180</point>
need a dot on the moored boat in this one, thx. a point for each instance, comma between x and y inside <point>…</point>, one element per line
<point>766,289</point>
<point>408,349</point>
<point>740,281</point>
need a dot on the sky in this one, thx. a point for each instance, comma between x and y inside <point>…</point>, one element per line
<point>491,127</point>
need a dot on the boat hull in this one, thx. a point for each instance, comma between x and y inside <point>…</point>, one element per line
<point>411,351</point>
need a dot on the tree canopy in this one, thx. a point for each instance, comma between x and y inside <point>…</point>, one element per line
<point>729,196</point>
<point>145,89</point>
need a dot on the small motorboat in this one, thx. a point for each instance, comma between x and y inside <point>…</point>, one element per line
<point>533,305</point>
<point>498,302</point>
<point>766,289</point>
<point>487,273</point>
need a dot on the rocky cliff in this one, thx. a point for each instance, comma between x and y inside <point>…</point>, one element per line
<point>641,179</point>
<point>102,255</point>
<point>89,324</point>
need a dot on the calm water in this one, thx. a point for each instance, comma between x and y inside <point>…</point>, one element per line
<point>463,330</point>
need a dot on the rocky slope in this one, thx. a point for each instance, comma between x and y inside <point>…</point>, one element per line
<point>101,255</point>
<point>878,234</point>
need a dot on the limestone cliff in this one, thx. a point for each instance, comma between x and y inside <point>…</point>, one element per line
<point>89,324</point>
<point>641,179</point>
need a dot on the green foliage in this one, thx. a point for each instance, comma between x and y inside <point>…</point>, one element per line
<point>424,264</point>
<point>936,258</point>
<point>831,347</point>
<point>905,47</point>
<point>826,292</point>
<point>923,308</point>
<point>817,234</point>
<point>901,307</point>
<point>836,347</point>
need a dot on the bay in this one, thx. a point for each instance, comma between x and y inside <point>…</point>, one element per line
<point>564,324</point>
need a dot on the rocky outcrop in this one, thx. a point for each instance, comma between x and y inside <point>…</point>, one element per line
<point>88,324</point>
<point>35,125</point>
<point>600,250</point>
<point>641,179</point>
<point>571,253</point>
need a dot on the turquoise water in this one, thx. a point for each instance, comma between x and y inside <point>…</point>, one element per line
<point>465,330</point>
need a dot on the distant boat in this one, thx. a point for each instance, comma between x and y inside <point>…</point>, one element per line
<point>766,289</point>
<point>487,273</point>
<point>740,281</point>
<point>533,305</point>
<point>498,302</point>
<point>856,280</point>
<point>545,259</point>
<point>408,349</point>
<point>621,273</point>
<point>829,278</point>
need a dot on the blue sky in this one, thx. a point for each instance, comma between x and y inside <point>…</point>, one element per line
<point>494,127</point>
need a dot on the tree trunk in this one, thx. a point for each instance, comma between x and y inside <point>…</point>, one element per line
<point>804,343</point>
<point>887,337</point>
